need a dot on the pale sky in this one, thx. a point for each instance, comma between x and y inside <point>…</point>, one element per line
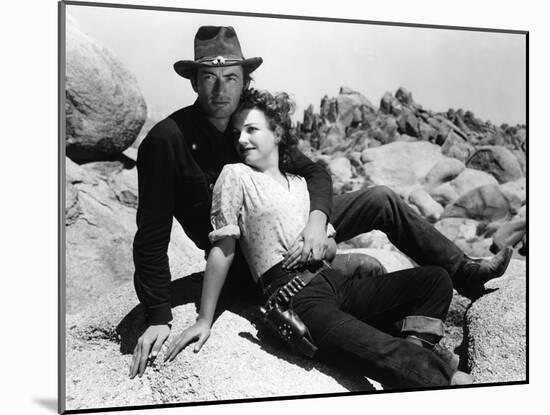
<point>479,71</point>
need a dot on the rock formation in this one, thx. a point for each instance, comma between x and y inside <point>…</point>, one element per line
<point>104,106</point>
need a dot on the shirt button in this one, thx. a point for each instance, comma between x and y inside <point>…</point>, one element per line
<point>211,186</point>
<point>193,146</point>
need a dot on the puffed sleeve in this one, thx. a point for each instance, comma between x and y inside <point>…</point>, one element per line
<point>227,200</point>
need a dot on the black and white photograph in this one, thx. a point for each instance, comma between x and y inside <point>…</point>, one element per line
<point>268,206</point>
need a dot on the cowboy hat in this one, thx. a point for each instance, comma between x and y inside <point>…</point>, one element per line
<point>216,46</point>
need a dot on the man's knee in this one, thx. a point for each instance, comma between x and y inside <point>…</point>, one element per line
<point>380,195</point>
<point>440,280</point>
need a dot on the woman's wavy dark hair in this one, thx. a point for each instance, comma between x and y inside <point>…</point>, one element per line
<point>277,108</point>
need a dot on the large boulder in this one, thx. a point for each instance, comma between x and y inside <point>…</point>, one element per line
<point>515,192</point>
<point>496,337</point>
<point>469,179</point>
<point>340,168</point>
<point>104,106</point>
<point>400,163</point>
<point>464,233</point>
<point>350,107</point>
<point>482,203</point>
<point>510,233</point>
<point>374,239</point>
<point>100,223</point>
<point>390,105</point>
<point>392,260</point>
<point>455,228</point>
<point>443,194</point>
<point>444,171</point>
<point>384,129</point>
<point>427,206</point>
<point>456,146</point>
<point>408,123</point>
<point>498,161</point>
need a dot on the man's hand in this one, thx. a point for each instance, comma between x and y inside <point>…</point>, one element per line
<point>148,346</point>
<point>198,332</point>
<point>311,244</point>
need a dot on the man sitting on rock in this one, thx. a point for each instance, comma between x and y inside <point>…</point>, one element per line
<point>181,158</point>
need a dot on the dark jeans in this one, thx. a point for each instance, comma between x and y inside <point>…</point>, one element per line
<point>380,208</point>
<point>357,319</point>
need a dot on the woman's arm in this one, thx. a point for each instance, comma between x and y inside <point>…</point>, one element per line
<point>217,266</point>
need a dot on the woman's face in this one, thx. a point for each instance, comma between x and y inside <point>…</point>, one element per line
<point>258,144</point>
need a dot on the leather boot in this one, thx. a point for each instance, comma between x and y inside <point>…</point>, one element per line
<point>472,274</point>
<point>444,354</point>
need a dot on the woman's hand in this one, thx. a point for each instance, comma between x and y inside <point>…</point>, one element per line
<point>312,243</point>
<point>198,332</point>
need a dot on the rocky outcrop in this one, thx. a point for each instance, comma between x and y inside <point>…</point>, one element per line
<point>444,171</point>
<point>394,142</point>
<point>483,203</point>
<point>427,206</point>
<point>466,234</point>
<point>498,161</point>
<point>104,106</point>
<point>242,358</point>
<point>400,164</point>
<point>100,219</point>
<point>496,335</point>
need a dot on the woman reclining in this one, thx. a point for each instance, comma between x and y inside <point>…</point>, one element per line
<point>389,326</point>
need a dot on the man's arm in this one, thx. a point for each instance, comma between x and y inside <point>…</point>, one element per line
<point>156,177</point>
<point>319,182</point>
<point>155,165</point>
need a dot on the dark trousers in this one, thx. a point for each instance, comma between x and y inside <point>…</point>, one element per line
<point>378,207</point>
<point>362,320</point>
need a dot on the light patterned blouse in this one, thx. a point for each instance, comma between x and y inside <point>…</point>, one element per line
<point>264,215</point>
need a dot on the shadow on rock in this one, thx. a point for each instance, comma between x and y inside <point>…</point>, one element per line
<point>183,291</point>
<point>344,371</point>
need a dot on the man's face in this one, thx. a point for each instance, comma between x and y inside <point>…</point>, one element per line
<point>219,90</point>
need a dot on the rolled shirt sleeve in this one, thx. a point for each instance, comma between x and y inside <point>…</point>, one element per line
<point>227,200</point>
<point>331,232</point>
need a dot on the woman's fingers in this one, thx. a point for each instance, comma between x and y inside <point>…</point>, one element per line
<point>293,254</point>
<point>179,344</point>
<point>201,341</point>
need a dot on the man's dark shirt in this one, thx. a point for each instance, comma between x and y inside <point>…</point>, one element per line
<point>178,163</point>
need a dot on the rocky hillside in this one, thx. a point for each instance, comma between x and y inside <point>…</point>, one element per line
<point>464,175</point>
